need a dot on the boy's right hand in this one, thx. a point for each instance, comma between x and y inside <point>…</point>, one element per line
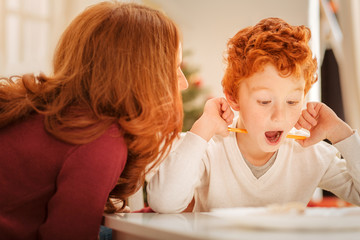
<point>215,119</point>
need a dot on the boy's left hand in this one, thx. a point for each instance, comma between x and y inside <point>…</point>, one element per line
<point>322,123</point>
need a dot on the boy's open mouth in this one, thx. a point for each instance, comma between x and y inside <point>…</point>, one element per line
<point>273,137</point>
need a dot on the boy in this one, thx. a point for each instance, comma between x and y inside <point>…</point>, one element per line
<point>270,70</point>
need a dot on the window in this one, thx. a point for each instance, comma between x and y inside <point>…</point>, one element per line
<point>24,36</point>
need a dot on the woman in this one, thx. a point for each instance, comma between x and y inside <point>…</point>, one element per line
<point>111,107</point>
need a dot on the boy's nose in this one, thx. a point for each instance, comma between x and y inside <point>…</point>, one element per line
<point>278,113</point>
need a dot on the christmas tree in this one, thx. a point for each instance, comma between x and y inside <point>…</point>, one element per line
<point>195,96</point>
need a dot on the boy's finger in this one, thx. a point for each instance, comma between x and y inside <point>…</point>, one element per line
<point>309,118</point>
<point>228,117</point>
<point>318,107</point>
<point>229,120</point>
<point>224,106</point>
<point>224,109</point>
<point>227,113</point>
<point>303,123</point>
<point>311,109</point>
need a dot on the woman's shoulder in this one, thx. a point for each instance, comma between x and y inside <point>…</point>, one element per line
<point>110,144</point>
<point>105,157</point>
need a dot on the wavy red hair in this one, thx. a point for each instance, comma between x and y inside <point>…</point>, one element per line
<point>115,63</point>
<point>272,41</point>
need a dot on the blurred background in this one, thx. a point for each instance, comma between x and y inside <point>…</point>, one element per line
<point>30,29</point>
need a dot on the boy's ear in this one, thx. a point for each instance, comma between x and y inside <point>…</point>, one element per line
<point>233,103</point>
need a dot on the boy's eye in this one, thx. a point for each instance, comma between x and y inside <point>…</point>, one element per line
<point>292,102</point>
<point>266,102</point>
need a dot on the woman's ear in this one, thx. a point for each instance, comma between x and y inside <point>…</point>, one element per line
<point>233,103</point>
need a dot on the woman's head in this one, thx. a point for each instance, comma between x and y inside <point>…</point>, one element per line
<point>115,57</point>
<point>115,63</point>
<point>272,41</point>
<point>122,60</point>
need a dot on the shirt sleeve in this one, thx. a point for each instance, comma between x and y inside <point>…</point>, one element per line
<point>172,187</point>
<point>87,176</point>
<point>343,175</point>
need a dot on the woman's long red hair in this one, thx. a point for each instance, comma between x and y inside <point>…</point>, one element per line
<point>272,41</point>
<point>115,63</point>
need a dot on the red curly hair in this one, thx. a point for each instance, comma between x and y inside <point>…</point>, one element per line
<point>272,41</point>
<point>115,63</point>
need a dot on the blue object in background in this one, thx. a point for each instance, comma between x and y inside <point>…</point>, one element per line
<point>105,233</point>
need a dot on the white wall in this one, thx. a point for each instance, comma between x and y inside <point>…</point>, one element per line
<point>349,65</point>
<point>207,26</point>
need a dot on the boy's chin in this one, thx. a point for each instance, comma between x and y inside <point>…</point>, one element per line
<point>272,147</point>
<point>271,150</point>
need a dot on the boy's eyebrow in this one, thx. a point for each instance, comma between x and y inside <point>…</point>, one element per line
<point>259,88</point>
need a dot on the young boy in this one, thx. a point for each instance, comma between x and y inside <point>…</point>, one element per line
<point>270,70</point>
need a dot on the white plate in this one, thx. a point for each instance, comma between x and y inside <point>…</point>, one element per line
<point>311,219</point>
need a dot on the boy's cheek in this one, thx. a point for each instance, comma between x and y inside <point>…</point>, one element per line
<point>295,120</point>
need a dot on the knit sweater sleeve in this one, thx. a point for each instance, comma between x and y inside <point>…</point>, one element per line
<point>172,187</point>
<point>343,175</point>
<point>87,176</point>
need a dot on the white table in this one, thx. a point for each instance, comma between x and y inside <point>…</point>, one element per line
<point>186,226</point>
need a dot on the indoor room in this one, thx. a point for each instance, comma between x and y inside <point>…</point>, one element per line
<point>192,164</point>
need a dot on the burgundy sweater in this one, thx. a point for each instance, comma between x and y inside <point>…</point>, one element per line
<point>54,190</point>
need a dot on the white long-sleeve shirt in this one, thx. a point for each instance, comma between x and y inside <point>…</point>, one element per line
<point>216,175</point>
